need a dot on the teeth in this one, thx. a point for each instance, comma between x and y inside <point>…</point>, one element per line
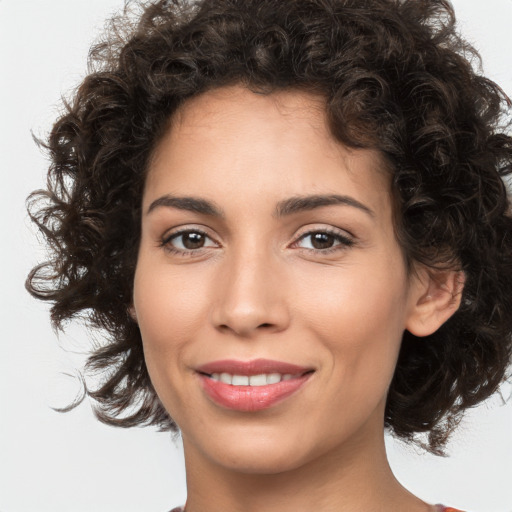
<point>254,380</point>
<point>240,380</point>
<point>226,378</point>
<point>274,378</point>
<point>258,380</point>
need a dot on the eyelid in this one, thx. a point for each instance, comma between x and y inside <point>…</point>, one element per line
<point>174,232</point>
<point>168,236</point>
<point>345,238</point>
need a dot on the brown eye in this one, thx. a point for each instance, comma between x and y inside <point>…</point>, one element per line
<point>190,240</point>
<point>322,240</point>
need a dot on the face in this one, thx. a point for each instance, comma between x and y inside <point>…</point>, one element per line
<point>270,290</point>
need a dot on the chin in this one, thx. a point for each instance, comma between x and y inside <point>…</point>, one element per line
<point>251,460</point>
<point>261,451</point>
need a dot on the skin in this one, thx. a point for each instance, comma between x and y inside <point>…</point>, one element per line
<point>259,288</point>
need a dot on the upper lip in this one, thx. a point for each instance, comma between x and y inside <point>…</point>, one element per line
<point>253,367</point>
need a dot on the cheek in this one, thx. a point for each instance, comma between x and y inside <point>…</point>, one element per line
<point>359,316</point>
<point>171,305</point>
<point>169,301</point>
<point>353,298</point>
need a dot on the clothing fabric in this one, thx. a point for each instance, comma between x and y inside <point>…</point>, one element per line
<point>439,508</point>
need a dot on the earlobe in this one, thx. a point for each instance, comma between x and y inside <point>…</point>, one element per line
<point>133,313</point>
<point>436,297</point>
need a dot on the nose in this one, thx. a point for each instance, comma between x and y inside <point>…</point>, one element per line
<point>251,297</point>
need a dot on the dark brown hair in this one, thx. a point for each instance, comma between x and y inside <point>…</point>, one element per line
<point>395,76</point>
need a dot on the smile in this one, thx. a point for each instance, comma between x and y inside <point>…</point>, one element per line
<point>253,380</point>
<point>251,386</point>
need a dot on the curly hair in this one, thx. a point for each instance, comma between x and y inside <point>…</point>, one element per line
<point>396,77</point>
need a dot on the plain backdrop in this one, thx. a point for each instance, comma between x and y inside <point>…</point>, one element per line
<point>52,462</point>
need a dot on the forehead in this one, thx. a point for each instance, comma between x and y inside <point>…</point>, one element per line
<point>238,100</point>
<point>234,141</point>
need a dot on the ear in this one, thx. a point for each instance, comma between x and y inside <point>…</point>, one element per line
<point>133,313</point>
<point>435,296</point>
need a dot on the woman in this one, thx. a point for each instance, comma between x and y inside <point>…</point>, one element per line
<point>291,220</point>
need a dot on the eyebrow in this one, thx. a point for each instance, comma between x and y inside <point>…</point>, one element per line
<point>191,204</point>
<point>305,203</point>
<point>283,208</point>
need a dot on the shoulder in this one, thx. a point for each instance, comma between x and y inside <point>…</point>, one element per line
<point>439,508</point>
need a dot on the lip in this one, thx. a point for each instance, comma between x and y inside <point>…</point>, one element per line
<point>253,367</point>
<point>251,398</point>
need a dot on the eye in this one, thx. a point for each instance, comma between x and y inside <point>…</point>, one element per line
<point>187,241</point>
<point>323,240</point>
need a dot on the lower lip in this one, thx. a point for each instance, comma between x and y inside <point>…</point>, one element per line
<point>251,398</point>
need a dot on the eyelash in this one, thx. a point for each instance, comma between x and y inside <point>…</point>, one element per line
<point>165,243</point>
<point>344,242</point>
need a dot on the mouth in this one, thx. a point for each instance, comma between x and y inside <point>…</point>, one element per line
<point>251,368</point>
<point>253,385</point>
<point>261,379</point>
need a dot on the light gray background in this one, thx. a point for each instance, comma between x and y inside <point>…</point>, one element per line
<point>51,462</point>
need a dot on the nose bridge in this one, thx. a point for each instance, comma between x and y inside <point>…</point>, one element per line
<point>251,295</point>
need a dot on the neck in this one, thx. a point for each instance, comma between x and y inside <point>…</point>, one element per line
<point>353,479</point>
